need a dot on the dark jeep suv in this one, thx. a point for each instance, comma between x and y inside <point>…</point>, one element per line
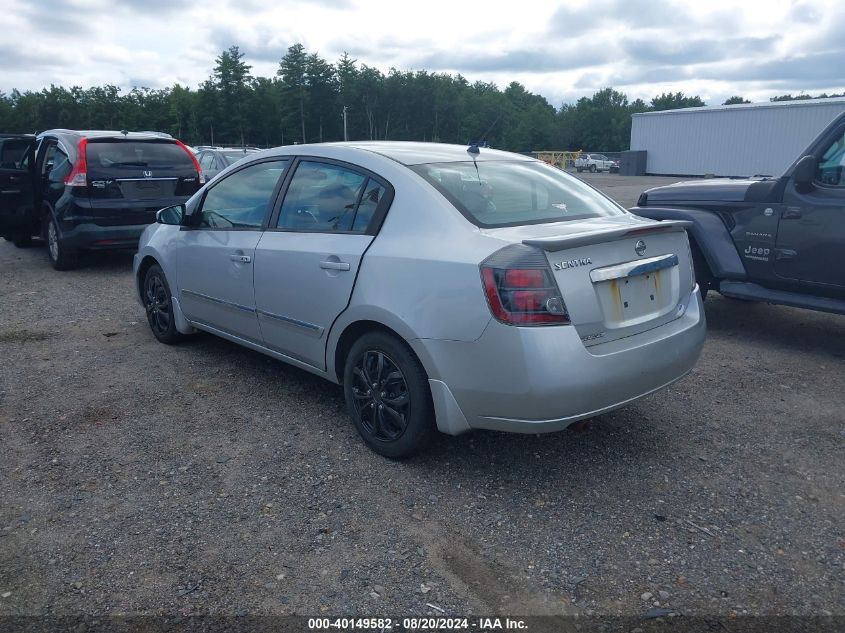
<point>776,240</point>
<point>89,190</point>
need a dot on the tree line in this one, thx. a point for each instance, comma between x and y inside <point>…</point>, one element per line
<point>305,101</point>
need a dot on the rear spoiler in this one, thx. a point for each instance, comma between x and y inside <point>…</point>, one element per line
<point>558,243</point>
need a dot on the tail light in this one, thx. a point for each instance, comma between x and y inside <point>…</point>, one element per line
<point>521,289</point>
<point>78,176</point>
<point>194,160</point>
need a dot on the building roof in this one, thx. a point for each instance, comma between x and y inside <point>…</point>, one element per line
<point>749,106</point>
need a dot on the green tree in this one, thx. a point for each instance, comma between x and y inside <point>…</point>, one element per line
<point>735,101</point>
<point>232,82</point>
<point>675,101</point>
<point>293,71</point>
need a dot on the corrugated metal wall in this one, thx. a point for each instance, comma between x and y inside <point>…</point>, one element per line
<point>730,140</point>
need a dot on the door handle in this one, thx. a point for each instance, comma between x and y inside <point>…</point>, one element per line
<point>334,265</point>
<point>244,259</point>
<point>785,253</point>
<point>791,213</point>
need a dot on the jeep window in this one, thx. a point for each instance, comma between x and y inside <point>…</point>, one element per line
<point>511,193</point>
<point>831,169</point>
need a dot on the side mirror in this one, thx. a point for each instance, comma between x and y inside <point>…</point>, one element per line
<point>805,171</point>
<point>171,215</point>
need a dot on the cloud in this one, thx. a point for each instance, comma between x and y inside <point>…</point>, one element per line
<point>674,52</point>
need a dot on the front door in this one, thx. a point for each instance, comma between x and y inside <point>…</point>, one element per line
<point>306,263</point>
<point>216,253</point>
<point>811,232</point>
<point>17,194</point>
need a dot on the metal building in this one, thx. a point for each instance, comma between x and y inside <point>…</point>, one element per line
<point>736,140</point>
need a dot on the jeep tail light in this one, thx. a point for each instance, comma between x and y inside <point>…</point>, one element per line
<point>194,160</point>
<point>78,176</point>
<point>521,289</point>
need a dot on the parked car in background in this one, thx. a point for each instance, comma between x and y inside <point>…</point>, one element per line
<point>89,190</point>
<point>363,263</point>
<point>214,160</point>
<point>777,240</point>
<point>596,162</point>
<point>16,183</point>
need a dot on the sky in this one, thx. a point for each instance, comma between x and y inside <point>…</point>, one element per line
<point>561,50</point>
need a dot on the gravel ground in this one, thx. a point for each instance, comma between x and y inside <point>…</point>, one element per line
<point>138,478</point>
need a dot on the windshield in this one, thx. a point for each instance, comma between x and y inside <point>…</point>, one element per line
<point>236,155</point>
<point>504,193</point>
<point>122,153</point>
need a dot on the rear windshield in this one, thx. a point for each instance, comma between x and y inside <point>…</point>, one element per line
<point>129,154</point>
<point>236,155</point>
<point>503,193</point>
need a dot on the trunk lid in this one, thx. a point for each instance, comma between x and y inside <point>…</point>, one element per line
<point>128,179</point>
<point>618,276</point>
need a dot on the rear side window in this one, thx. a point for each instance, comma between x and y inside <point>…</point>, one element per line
<point>240,200</point>
<point>505,193</point>
<point>116,154</point>
<point>321,197</point>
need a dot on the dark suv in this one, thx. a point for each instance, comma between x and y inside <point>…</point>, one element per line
<point>90,190</point>
<point>777,240</point>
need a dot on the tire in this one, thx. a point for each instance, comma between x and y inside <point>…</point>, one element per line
<point>158,304</point>
<point>396,417</point>
<point>60,256</point>
<point>593,169</point>
<point>580,169</point>
<point>703,277</point>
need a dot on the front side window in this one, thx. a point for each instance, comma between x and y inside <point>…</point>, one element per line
<point>14,153</point>
<point>321,197</point>
<point>510,193</point>
<point>831,169</point>
<point>240,200</point>
<point>207,161</point>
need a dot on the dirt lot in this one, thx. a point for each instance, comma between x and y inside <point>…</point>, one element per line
<point>206,478</point>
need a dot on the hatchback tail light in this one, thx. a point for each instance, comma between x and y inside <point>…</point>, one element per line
<point>194,160</point>
<point>78,176</point>
<point>521,289</point>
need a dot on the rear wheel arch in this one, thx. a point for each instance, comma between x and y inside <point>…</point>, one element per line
<point>352,333</point>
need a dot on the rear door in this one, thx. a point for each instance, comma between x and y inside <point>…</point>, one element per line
<point>17,194</point>
<point>130,179</point>
<point>811,233</point>
<point>216,254</point>
<point>306,262</point>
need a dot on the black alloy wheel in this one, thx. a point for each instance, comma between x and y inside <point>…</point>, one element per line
<point>159,306</point>
<point>380,392</point>
<point>387,395</point>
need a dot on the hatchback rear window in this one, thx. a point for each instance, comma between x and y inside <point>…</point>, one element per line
<point>505,193</point>
<point>117,154</point>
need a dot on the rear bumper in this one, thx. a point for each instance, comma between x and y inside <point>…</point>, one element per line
<point>94,237</point>
<point>537,380</point>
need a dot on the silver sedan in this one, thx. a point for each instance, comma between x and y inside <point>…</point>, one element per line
<point>446,288</point>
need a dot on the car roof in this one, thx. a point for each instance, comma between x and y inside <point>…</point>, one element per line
<point>418,153</point>
<point>79,134</point>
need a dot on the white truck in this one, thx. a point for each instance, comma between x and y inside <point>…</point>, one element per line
<point>596,162</point>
